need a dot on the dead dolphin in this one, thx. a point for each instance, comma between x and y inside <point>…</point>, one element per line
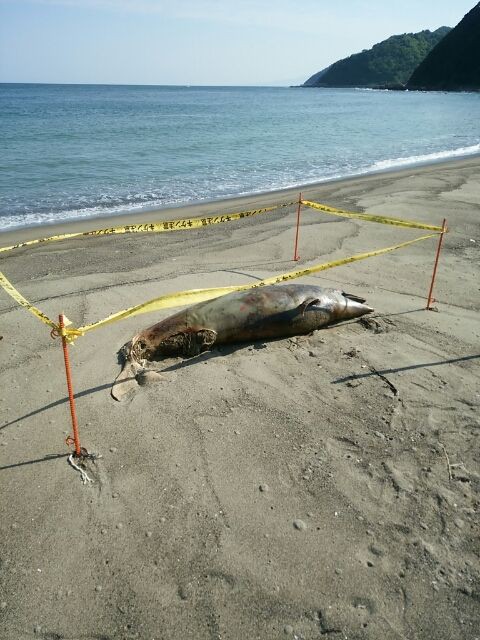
<point>273,311</point>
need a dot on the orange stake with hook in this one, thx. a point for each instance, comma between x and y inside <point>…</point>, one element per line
<point>76,437</point>
<point>296,257</point>
<point>439,246</point>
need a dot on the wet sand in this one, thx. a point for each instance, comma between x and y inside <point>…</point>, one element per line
<point>325,485</point>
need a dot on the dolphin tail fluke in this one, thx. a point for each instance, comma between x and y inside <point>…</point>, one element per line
<point>126,382</point>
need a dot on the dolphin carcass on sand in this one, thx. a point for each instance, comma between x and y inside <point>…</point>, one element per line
<point>274,311</point>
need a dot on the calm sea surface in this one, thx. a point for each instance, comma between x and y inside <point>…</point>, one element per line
<point>69,151</point>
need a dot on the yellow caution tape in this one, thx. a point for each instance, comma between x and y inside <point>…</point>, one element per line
<point>155,227</point>
<point>10,289</point>
<point>397,222</point>
<point>337,263</point>
<point>193,296</point>
<point>178,299</point>
<point>182,298</point>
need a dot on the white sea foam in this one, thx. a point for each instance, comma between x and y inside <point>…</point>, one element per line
<point>45,218</point>
<point>226,189</point>
<point>391,163</point>
<point>146,148</point>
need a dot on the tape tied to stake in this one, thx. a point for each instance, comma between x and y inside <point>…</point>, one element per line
<point>192,296</point>
<point>369,217</point>
<point>153,227</point>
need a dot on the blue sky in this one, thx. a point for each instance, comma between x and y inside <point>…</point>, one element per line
<point>216,42</point>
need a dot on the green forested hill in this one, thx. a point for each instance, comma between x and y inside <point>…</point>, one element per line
<point>390,62</point>
<point>454,64</point>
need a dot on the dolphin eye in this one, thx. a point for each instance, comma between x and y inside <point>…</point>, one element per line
<point>142,344</point>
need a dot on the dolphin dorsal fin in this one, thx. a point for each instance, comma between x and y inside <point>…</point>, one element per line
<point>351,296</point>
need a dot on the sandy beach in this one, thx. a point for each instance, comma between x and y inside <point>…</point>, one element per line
<point>320,486</point>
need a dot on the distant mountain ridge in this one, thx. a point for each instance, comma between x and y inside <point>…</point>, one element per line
<point>454,63</point>
<point>390,62</point>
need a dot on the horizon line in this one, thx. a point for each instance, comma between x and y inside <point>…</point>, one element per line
<point>133,84</point>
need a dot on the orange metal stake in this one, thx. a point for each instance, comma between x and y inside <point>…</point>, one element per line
<point>296,257</point>
<point>76,437</point>
<point>439,246</point>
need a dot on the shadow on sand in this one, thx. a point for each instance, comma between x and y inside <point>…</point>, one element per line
<point>359,376</point>
<point>47,458</point>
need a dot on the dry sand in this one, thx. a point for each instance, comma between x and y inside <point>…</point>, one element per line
<point>189,529</point>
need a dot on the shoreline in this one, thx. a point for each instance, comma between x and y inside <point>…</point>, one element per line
<point>222,205</point>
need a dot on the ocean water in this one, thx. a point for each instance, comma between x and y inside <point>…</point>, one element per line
<point>74,151</point>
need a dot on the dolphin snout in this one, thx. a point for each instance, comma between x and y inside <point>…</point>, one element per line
<point>354,309</point>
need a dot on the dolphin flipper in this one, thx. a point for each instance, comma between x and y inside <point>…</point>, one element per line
<point>126,381</point>
<point>309,302</point>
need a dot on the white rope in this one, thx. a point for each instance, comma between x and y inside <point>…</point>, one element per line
<point>83,473</point>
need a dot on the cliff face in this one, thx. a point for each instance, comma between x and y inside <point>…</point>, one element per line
<point>390,62</point>
<point>454,63</point>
